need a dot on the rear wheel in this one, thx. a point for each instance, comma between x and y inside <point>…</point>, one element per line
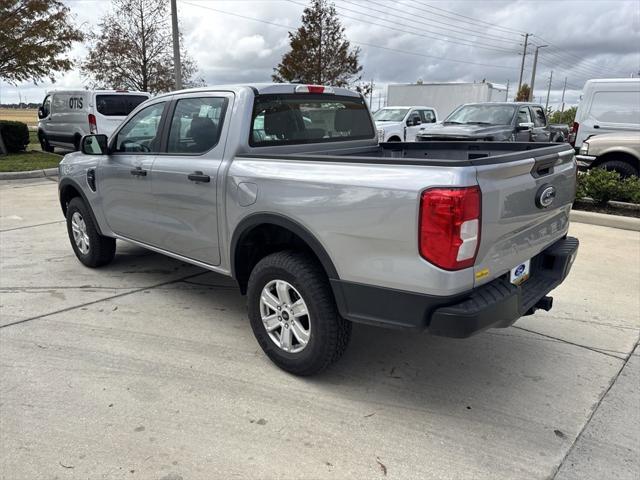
<point>91,248</point>
<point>623,168</point>
<point>293,314</point>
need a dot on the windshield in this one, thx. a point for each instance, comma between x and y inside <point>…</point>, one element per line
<point>482,115</point>
<point>390,114</point>
<point>300,118</point>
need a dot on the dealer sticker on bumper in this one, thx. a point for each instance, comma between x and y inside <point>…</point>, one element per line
<point>520,274</point>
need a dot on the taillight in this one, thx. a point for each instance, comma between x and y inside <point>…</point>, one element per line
<point>93,127</point>
<point>449,230</point>
<point>573,134</point>
<point>313,89</point>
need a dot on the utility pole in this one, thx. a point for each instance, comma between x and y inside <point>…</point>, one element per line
<point>564,89</point>
<point>524,54</point>
<point>176,45</point>
<point>506,97</point>
<point>371,95</point>
<point>533,72</point>
<point>546,106</point>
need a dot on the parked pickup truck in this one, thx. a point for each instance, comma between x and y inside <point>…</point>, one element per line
<point>402,124</point>
<point>495,122</point>
<point>286,189</point>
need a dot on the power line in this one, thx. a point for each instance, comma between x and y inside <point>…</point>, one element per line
<point>471,20</point>
<point>403,30</point>
<point>428,22</point>
<point>289,27</point>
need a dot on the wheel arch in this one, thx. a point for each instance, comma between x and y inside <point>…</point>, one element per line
<point>619,155</point>
<point>68,190</point>
<point>261,234</point>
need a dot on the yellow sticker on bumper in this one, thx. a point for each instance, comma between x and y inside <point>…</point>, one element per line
<point>480,274</point>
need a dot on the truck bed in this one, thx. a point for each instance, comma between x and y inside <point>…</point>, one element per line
<point>454,154</point>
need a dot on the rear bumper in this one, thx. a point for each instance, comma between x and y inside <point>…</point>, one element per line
<point>497,304</point>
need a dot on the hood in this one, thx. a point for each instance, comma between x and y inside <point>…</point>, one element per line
<point>466,131</point>
<point>380,124</point>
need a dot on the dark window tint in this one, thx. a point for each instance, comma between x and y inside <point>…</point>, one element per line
<point>46,106</point>
<point>301,118</point>
<point>140,133</point>
<point>196,124</point>
<point>117,105</point>
<point>538,117</point>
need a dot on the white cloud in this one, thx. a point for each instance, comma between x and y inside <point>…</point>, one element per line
<point>588,37</point>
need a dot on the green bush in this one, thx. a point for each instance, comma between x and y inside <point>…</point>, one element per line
<point>15,135</point>
<point>602,185</point>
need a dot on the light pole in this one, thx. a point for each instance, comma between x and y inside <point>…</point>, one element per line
<point>533,72</point>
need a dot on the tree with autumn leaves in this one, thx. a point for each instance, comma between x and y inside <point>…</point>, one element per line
<point>320,54</point>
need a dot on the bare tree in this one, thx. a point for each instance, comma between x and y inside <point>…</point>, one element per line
<point>133,49</point>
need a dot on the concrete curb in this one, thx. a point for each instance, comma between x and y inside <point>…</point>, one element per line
<point>604,220</point>
<point>47,172</point>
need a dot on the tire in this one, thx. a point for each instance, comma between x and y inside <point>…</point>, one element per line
<point>623,168</point>
<point>394,139</point>
<point>328,333</point>
<point>93,250</point>
<point>44,143</point>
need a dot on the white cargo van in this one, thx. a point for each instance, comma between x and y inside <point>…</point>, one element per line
<point>66,115</point>
<point>608,105</point>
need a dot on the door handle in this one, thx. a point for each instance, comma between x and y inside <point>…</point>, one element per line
<point>199,177</point>
<point>596,126</point>
<point>138,172</point>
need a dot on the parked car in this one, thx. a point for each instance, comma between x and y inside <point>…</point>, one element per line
<point>66,115</point>
<point>401,124</point>
<point>619,152</point>
<point>319,224</point>
<point>493,122</point>
<point>608,105</point>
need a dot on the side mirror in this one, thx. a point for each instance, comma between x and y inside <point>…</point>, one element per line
<point>94,144</point>
<point>413,121</point>
<point>41,113</point>
<point>525,126</point>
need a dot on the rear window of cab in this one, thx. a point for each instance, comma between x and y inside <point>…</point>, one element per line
<point>118,105</point>
<point>291,119</point>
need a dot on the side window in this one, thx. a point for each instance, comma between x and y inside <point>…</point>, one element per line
<point>414,118</point>
<point>196,124</point>
<point>616,107</point>
<point>46,106</point>
<point>539,120</point>
<point>524,116</point>
<point>427,116</point>
<point>139,134</point>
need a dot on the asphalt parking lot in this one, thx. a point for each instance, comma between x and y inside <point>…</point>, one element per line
<point>148,369</point>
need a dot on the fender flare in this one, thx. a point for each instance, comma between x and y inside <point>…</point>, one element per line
<point>256,219</point>
<point>68,182</point>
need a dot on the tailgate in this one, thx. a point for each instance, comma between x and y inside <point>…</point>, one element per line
<point>525,208</point>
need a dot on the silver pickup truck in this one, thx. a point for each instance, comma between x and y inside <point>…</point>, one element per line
<point>286,189</point>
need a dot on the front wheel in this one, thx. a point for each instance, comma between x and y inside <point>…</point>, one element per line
<point>91,248</point>
<point>623,168</point>
<point>293,313</point>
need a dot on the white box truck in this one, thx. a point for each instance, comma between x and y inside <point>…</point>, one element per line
<point>444,97</point>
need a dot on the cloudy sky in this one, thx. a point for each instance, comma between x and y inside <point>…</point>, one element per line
<point>403,41</point>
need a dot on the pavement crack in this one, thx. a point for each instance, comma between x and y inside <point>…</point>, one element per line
<point>620,356</point>
<point>594,410</point>
<point>137,290</point>
<point>30,226</point>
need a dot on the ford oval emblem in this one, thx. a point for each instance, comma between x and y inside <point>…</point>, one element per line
<point>545,196</point>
